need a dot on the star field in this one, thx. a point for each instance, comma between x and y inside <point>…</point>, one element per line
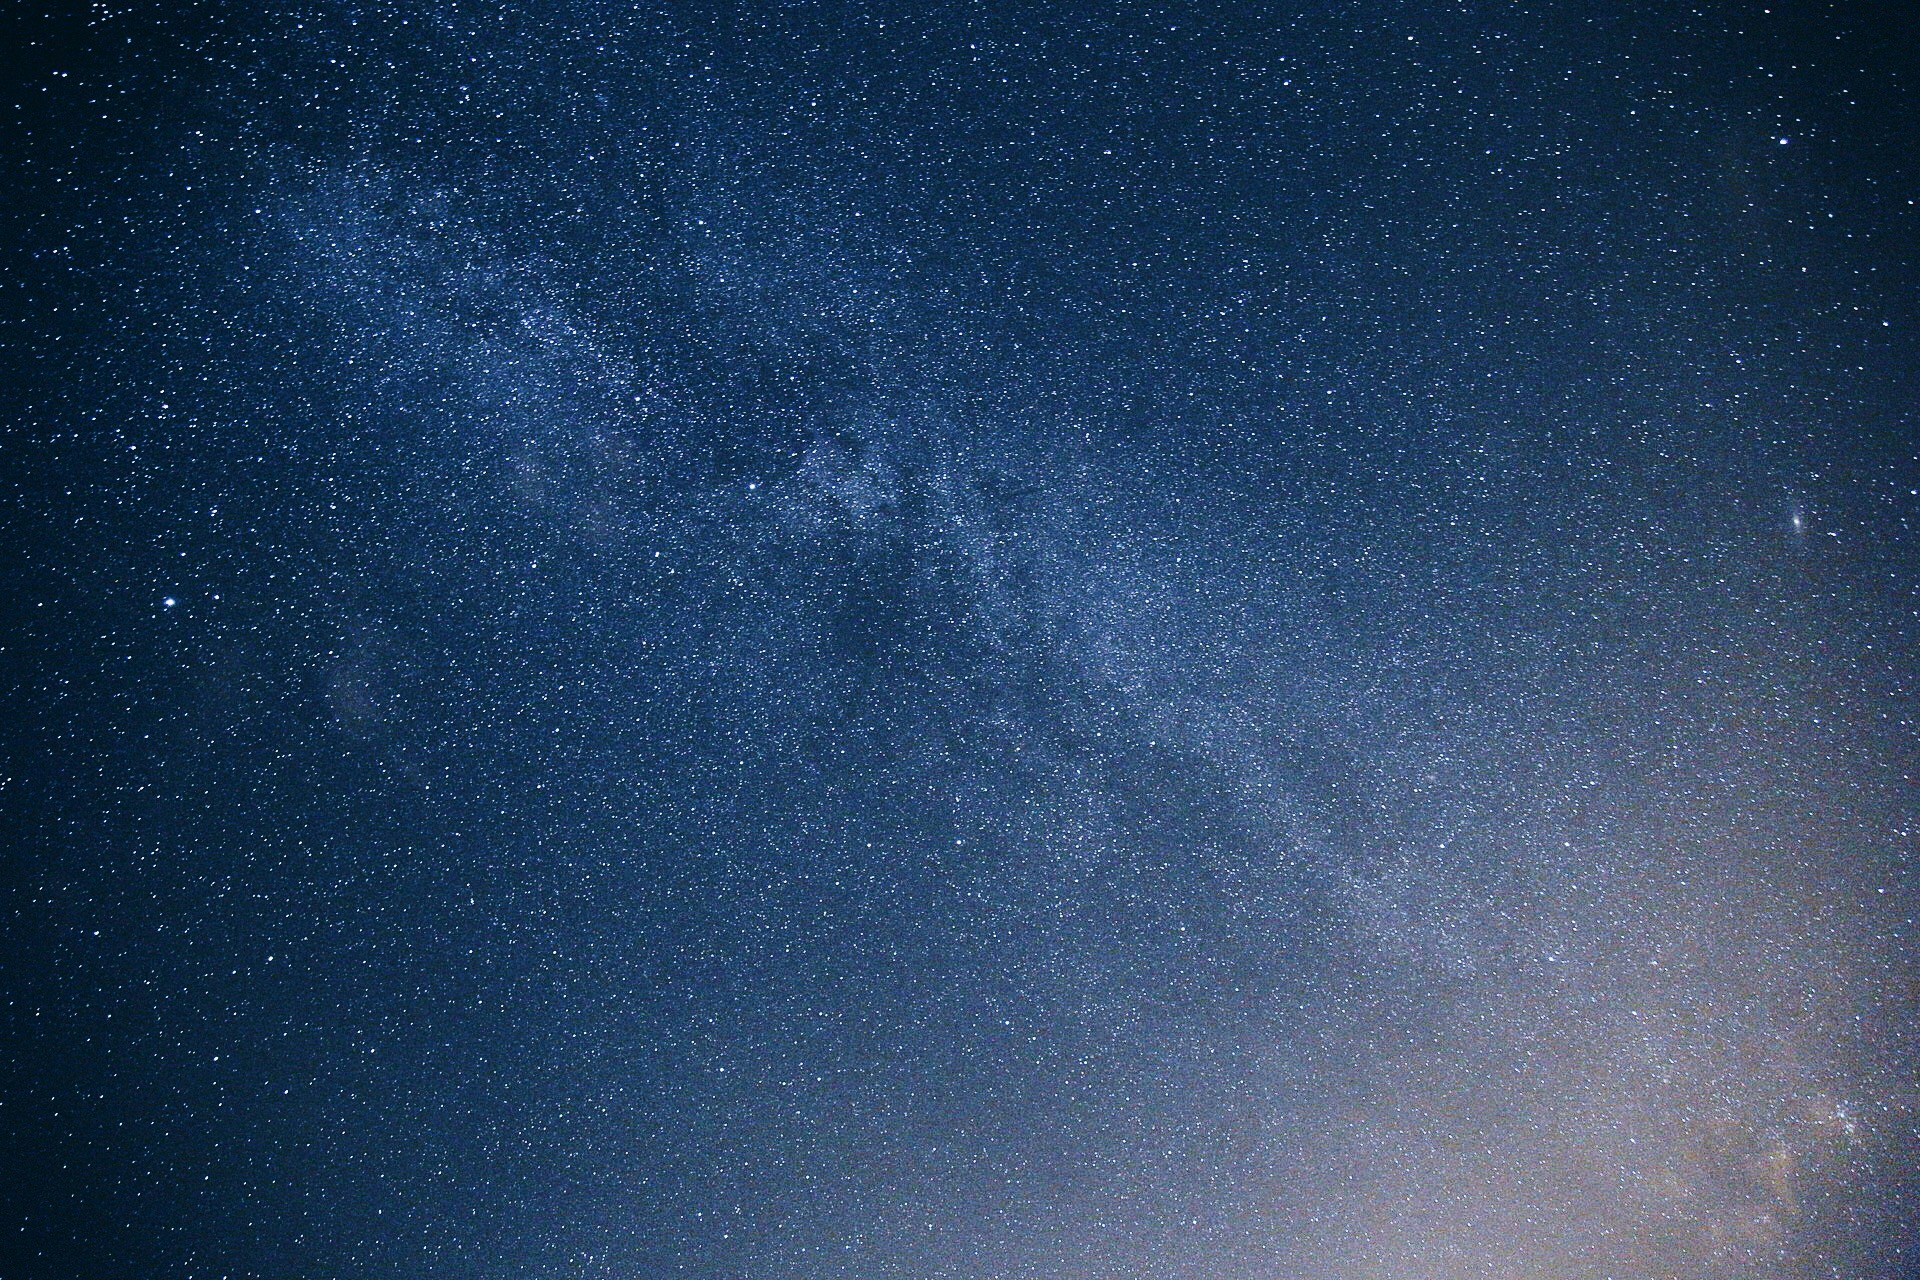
<point>958,642</point>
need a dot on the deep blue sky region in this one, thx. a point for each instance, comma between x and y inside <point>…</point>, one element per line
<point>956,641</point>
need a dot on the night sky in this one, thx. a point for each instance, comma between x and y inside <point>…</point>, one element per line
<point>815,641</point>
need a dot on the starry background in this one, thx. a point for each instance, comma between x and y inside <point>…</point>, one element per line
<point>954,640</point>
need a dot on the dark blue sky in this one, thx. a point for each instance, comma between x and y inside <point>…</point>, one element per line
<point>818,640</point>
